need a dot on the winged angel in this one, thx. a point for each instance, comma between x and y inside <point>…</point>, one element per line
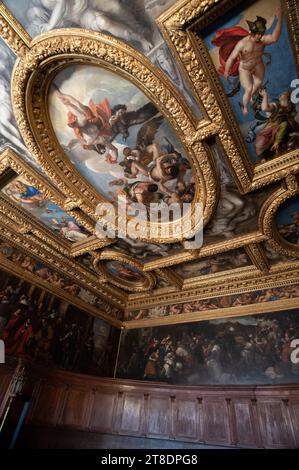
<point>97,125</point>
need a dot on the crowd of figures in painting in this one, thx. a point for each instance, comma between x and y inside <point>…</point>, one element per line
<point>37,325</point>
<point>249,350</point>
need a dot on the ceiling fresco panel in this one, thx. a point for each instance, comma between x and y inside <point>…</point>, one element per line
<point>112,111</point>
<point>258,111</point>
<point>212,265</point>
<point>135,155</point>
<point>32,200</point>
<point>132,22</point>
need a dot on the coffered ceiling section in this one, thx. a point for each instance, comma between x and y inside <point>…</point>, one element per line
<point>142,102</point>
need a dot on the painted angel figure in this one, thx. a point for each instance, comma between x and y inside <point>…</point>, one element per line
<point>97,125</point>
<point>91,125</point>
<point>241,54</point>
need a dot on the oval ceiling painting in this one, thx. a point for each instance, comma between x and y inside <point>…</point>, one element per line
<point>124,272</point>
<point>288,221</point>
<point>126,275</point>
<point>117,139</point>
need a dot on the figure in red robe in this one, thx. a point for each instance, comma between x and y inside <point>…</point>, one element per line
<point>92,125</point>
<point>241,53</point>
<point>20,345</point>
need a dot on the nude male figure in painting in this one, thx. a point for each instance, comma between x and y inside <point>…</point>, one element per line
<point>249,51</point>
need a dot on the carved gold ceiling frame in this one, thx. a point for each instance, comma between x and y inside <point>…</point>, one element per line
<point>18,232</point>
<point>48,254</point>
<point>11,166</point>
<point>93,48</point>
<point>35,71</point>
<point>140,286</point>
<point>181,26</point>
<point>269,220</point>
<point>22,223</point>
<point>21,227</point>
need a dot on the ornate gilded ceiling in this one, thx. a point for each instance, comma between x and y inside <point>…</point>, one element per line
<point>154,75</point>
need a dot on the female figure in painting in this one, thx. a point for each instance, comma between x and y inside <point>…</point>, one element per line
<point>25,194</point>
<point>69,229</point>
<point>280,125</point>
<point>246,57</point>
<point>151,371</point>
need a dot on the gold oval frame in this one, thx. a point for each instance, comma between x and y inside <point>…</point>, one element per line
<point>54,51</point>
<point>99,260</point>
<point>269,213</point>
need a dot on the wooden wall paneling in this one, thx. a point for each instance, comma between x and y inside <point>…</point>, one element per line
<point>275,426</point>
<point>294,419</point>
<point>47,402</point>
<point>159,416</point>
<point>216,421</point>
<point>76,407</point>
<point>231,422</point>
<point>231,416</point>
<point>130,414</point>
<point>103,410</point>
<point>245,423</point>
<point>186,419</point>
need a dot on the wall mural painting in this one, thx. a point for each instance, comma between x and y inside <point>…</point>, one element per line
<point>131,22</point>
<point>212,265</point>
<point>288,220</point>
<point>246,46</point>
<point>117,139</point>
<point>37,325</point>
<point>37,204</point>
<point>124,272</point>
<point>238,300</point>
<point>28,263</point>
<point>249,350</point>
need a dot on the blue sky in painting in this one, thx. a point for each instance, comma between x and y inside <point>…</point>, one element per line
<point>90,82</point>
<point>279,74</point>
<point>46,212</point>
<point>288,208</point>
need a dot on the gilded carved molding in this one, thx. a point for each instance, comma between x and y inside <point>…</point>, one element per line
<point>39,61</point>
<point>250,280</point>
<point>232,312</point>
<point>13,33</point>
<point>94,48</point>
<point>181,26</point>
<point>147,283</point>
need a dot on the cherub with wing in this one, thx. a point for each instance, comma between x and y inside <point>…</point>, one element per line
<point>137,160</point>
